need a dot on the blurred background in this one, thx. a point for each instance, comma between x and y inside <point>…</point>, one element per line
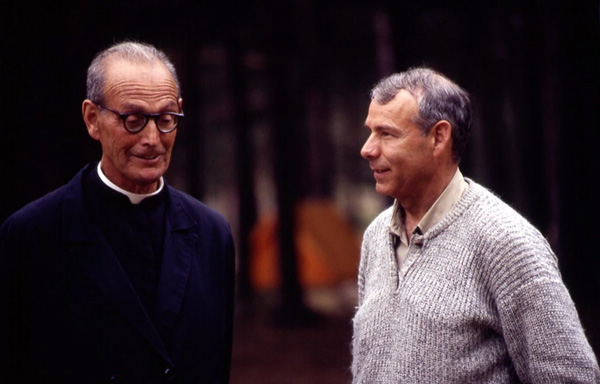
<point>275,96</point>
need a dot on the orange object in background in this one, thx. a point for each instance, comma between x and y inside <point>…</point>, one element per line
<point>327,245</point>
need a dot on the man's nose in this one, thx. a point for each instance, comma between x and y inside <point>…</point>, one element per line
<point>370,149</point>
<point>150,133</point>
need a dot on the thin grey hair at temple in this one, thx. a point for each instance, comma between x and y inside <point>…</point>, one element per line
<point>131,51</point>
<point>438,99</point>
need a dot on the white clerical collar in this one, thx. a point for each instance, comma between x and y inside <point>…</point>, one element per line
<point>135,198</point>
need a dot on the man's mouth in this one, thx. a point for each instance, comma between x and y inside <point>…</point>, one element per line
<point>380,174</point>
<point>379,170</point>
<point>148,157</point>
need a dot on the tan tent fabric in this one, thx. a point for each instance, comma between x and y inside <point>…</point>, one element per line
<point>328,247</point>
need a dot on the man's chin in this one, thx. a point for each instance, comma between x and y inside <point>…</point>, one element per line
<point>381,189</point>
<point>147,181</point>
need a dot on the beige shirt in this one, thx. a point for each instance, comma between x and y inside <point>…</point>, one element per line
<point>434,215</point>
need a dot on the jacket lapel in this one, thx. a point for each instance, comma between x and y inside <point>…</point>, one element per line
<point>89,248</point>
<point>180,243</point>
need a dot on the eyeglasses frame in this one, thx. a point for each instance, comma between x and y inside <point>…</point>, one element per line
<point>147,117</point>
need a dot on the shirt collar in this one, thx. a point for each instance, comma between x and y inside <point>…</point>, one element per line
<point>436,212</point>
<point>135,198</point>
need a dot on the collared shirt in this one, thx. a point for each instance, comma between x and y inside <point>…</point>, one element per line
<point>135,198</point>
<point>434,215</point>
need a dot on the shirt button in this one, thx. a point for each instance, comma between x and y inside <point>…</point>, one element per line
<point>169,373</point>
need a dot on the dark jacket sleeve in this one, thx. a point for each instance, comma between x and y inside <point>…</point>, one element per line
<point>13,319</point>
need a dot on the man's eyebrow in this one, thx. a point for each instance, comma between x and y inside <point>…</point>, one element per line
<point>128,106</point>
<point>380,127</point>
<point>172,103</point>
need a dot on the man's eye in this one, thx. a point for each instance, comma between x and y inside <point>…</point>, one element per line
<point>166,119</point>
<point>134,119</point>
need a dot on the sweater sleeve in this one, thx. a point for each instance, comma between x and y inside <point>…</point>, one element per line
<point>540,324</point>
<point>361,271</point>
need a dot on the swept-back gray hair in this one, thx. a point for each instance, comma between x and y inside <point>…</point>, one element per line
<point>132,51</point>
<point>438,98</point>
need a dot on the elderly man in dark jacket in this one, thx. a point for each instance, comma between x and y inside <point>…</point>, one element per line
<point>116,276</point>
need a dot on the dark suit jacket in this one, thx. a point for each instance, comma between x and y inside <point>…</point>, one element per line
<point>68,313</point>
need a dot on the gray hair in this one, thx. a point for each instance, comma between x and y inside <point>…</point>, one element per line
<point>438,98</point>
<point>131,51</point>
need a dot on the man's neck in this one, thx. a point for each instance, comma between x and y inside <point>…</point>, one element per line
<point>416,209</point>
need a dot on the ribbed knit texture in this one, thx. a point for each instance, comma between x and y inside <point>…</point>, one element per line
<point>479,299</point>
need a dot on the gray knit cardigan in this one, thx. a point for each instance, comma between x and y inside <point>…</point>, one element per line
<point>479,299</point>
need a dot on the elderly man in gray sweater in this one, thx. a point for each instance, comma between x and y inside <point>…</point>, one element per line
<point>454,285</point>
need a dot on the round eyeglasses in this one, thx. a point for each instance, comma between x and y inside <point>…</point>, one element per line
<point>134,122</point>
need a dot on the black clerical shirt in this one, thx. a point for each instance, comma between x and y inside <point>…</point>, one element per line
<point>135,232</point>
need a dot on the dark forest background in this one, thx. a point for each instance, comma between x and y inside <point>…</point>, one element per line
<point>276,92</point>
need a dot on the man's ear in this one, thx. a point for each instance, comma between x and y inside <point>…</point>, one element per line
<point>180,101</point>
<point>442,137</point>
<point>91,116</point>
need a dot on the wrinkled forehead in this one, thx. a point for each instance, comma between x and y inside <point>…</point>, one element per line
<point>128,79</point>
<point>118,69</point>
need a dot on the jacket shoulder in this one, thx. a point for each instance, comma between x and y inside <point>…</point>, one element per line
<point>196,210</point>
<point>47,207</point>
<point>47,210</point>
